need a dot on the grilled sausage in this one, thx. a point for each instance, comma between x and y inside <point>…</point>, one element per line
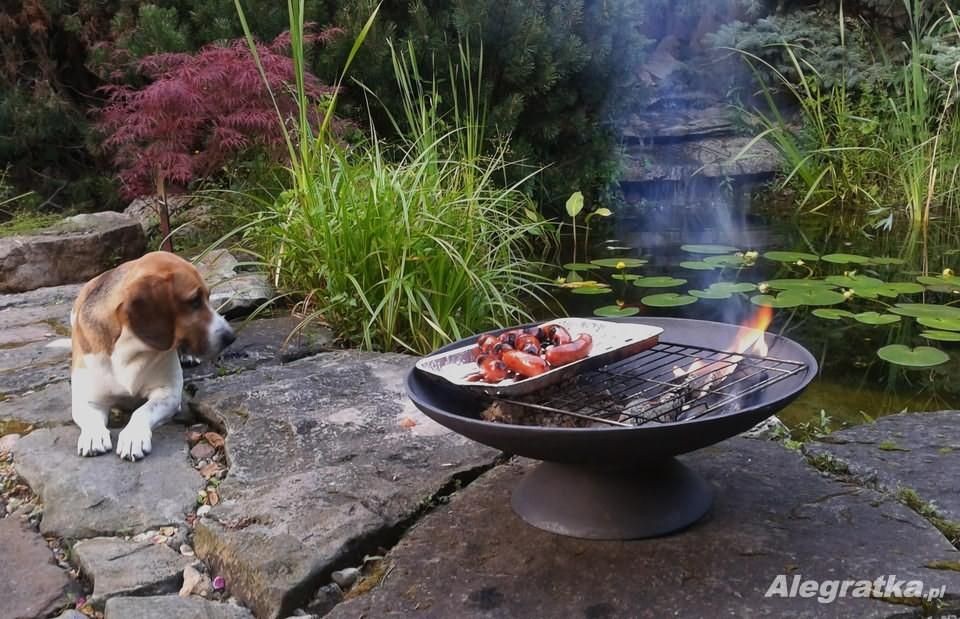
<point>493,369</point>
<point>568,353</point>
<point>557,335</point>
<point>528,343</point>
<point>524,364</point>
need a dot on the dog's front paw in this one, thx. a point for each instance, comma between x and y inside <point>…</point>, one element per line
<point>134,442</point>
<point>93,442</point>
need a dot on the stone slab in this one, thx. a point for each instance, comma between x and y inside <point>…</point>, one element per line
<point>87,497</point>
<point>233,292</point>
<point>773,515</point>
<point>170,606</point>
<point>919,451</point>
<point>123,567</point>
<point>32,585</point>
<point>45,407</point>
<point>708,157</point>
<point>72,251</point>
<point>327,457</point>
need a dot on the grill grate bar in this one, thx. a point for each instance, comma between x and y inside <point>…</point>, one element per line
<point>666,383</point>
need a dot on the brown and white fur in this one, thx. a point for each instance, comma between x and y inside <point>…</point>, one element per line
<point>129,326</point>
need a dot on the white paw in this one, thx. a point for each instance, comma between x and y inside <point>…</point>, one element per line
<point>134,442</point>
<point>93,441</point>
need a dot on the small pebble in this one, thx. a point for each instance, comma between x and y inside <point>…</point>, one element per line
<point>8,441</point>
<point>203,510</point>
<point>346,577</point>
<point>202,451</point>
<point>186,550</point>
<point>142,537</point>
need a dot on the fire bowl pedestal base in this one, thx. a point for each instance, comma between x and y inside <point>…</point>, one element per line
<point>612,505</point>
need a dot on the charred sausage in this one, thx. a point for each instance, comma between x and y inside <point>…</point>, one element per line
<point>492,369</point>
<point>524,364</point>
<point>557,335</point>
<point>570,352</point>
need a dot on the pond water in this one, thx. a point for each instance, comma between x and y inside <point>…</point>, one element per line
<point>854,385</point>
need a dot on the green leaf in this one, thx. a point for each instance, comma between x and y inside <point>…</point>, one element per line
<point>658,282</point>
<point>577,266</point>
<point>604,212</point>
<point>574,204</point>
<point>940,280</point>
<point>573,277</point>
<point>733,286</point>
<point>854,281</point>
<point>811,296</point>
<point>846,259</point>
<point>767,300</point>
<point>616,310</point>
<point>940,324</point>
<point>590,290</point>
<point>708,249</point>
<point>919,357</point>
<point>893,289</point>
<point>790,256</point>
<point>697,265</point>
<point>926,310</point>
<point>710,294</point>
<point>612,263</point>
<point>832,314</point>
<point>726,260</point>
<point>874,318</point>
<point>790,284</point>
<point>667,299</point>
<point>941,336</point>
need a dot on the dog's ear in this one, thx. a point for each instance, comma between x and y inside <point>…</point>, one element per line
<point>148,310</point>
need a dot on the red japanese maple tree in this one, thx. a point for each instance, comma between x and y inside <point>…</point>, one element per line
<point>200,111</point>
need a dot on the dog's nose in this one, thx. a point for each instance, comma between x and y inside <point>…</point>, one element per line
<point>227,337</point>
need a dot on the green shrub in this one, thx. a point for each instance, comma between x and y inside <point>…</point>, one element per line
<point>411,251</point>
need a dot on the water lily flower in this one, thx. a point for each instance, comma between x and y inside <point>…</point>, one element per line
<point>764,288</point>
<point>848,294</point>
<point>948,272</point>
<point>751,255</point>
<point>561,280</point>
<point>621,265</point>
<point>800,263</point>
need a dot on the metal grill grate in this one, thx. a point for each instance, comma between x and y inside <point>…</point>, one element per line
<point>666,383</point>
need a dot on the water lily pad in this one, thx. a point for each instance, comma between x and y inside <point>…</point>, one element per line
<point>628,263</point>
<point>726,260</point>
<point>591,290</point>
<point>941,336</point>
<point>710,294</point>
<point>697,265</point>
<point>668,299</point>
<point>708,249</point>
<point>766,300</point>
<point>940,280</point>
<point>926,310</point>
<point>616,311</point>
<point>940,324</point>
<point>790,256</point>
<point>733,286</point>
<point>789,284</point>
<point>854,281</point>
<point>846,259</point>
<point>874,318</point>
<point>893,289</point>
<point>919,357</point>
<point>944,289</point>
<point>832,314</point>
<point>577,266</point>
<point>628,277</point>
<point>812,296</point>
<point>658,282</point>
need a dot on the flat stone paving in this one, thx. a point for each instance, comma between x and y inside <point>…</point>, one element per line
<point>773,515</point>
<point>329,462</point>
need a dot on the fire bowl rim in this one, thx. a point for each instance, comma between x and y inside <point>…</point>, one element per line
<point>416,376</point>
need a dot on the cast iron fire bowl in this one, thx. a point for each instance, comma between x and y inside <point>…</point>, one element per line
<point>623,482</point>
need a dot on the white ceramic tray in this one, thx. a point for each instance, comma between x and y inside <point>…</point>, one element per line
<point>612,341</point>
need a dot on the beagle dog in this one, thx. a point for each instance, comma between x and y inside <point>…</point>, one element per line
<point>129,326</point>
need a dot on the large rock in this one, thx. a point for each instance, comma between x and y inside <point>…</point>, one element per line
<point>123,567</point>
<point>86,497</point>
<point>32,585</point>
<point>75,250</point>
<point>46,407</point>
<point>774,516</point>
<point>327,458</point>
<point>170,607</point>
<point>909,451</point>
<point>716,157</point>
<point>35,328</point>
<point>232,291</point>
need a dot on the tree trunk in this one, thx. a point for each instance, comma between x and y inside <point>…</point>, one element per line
<point>164,213</point>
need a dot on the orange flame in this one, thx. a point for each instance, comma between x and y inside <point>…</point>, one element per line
<point>751,332</point>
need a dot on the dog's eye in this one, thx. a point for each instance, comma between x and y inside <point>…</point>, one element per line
<point>196,301</point>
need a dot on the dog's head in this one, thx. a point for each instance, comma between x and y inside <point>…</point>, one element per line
<point>165,303</point>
